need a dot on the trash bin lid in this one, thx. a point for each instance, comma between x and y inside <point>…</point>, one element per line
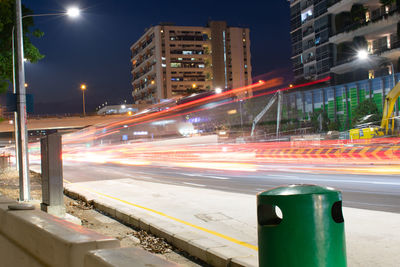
<point>298,189</point>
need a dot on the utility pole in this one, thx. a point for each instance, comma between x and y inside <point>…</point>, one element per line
<point>22,135</point>
<point>16,132</point>
<point>278,114</point>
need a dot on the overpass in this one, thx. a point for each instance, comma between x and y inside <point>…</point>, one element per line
<point>38,126</point>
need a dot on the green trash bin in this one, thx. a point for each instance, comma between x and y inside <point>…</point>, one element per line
<point>301,226</point>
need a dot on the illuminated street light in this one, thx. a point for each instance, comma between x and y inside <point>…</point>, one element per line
<point>123,107</point>
<point>218,90</point>
<point>362,54</point>
<point>73,12</point>
<point>83,88</point>
<point>194,86</point>
<point>26,85</point>
<point>21,132</point>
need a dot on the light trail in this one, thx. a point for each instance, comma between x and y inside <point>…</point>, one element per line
<point>122,142</point>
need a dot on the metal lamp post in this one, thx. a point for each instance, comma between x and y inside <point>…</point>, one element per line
<point>83,88</point>
<point>21,132</point>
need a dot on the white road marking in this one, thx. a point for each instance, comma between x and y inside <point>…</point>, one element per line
<point>201,185</point>
<point>206,176</point>
<point>286,177</point>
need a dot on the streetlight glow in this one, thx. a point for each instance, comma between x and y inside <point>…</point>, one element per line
<point>83,86</point>
<point>218,90</point>
<point>362,54</point>
<point>73,12</point>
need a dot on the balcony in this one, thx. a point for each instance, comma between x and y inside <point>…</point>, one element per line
<point>309,59</point>
<point>337,6</point>
<point>392,53</point>
<point>308,30</point>
<point>307,4</point>
<point>377,25</point>
<point>352,63</point>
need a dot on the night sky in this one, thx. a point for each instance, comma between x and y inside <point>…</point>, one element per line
<point>94,49</point>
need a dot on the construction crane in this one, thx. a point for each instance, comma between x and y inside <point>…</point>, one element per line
<point>265,109</point>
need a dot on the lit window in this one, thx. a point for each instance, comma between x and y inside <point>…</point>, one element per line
<point>179,58</point>
<point>187,52</point>
<point>176,65</point>
<point>371,74</point>
<point>370,47</point>
<point>164,65</point>
<point>245,66</point>
<point>388,41</point>
<point>192,58</point>
<point>163,58</point>
<point>305,15</point>
<point>201,66</point>
<point>367,16</point>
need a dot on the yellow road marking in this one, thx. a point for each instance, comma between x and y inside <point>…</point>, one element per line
<point>231,239</point>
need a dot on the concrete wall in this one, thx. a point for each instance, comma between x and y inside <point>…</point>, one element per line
<point>35,238</point>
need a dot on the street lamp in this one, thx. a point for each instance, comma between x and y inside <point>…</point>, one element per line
<point>218,90</point>
<point>21,133</point>
<point>364,55</point>
<point>83,88</point>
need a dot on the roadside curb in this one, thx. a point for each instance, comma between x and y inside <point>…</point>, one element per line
<point>197,245</point>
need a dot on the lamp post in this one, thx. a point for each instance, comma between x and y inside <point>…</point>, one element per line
<point>20,116</point>
<point>83,88</point>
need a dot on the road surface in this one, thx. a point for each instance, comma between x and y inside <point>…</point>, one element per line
<point>361,189</point>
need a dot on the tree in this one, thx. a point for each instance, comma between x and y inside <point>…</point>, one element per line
<point>358,13</point>
<point>319,118</point>
<point>7,14</point>
<point>367,107</point>
<point>386,2</point>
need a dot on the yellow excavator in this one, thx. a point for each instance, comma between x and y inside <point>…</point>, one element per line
<point>388,120</point>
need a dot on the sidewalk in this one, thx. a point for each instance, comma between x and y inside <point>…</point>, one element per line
<point>220,227</point>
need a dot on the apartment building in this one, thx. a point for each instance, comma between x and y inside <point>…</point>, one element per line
<point>326,36</point>
<point>170,61</point>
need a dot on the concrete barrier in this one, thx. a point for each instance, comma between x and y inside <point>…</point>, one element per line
<point>34,238</point>
<point>124,257</point>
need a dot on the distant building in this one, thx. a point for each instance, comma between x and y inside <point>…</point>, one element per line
<point>326,35</point>
<point>169,60</point>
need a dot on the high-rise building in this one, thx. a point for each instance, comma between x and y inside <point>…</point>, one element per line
<point>326,36</point>
<point>171,60</point>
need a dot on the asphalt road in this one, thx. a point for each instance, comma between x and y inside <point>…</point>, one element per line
<point>366,191</point>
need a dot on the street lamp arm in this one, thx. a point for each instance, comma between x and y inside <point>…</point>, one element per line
<point>45,15</point>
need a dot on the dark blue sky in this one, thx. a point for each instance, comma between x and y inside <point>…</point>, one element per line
<point>95,47</point>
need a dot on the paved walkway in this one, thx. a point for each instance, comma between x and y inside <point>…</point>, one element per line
<point>220,227</point>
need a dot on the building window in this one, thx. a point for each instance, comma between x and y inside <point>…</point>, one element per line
<point>367,16</point>
<point>306,15</point>
<point>371,74</point>
<point>370,47</point>
<point>176,65</point>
